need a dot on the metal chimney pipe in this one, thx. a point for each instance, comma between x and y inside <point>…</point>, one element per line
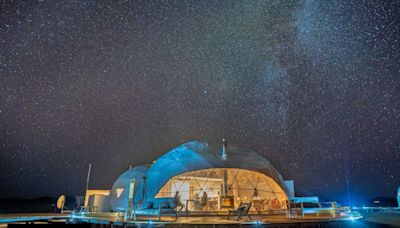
<point>224,154</point>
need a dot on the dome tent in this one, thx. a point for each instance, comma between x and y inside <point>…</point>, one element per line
<point>195,155</point>
<point>119,196</point>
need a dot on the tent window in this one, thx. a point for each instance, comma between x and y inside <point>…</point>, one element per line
<point>222,189</point>
<point>119,192</point>
<point>131,188</point>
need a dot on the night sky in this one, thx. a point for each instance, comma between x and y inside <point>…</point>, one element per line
<point>313,86</point>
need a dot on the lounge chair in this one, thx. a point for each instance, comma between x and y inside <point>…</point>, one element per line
<point>243,209</point>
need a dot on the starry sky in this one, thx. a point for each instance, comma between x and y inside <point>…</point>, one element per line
<point>314,86</point>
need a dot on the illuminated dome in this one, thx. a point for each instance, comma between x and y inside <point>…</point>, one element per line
<point>248,174</point>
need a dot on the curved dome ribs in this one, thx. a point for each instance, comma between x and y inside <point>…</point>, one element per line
<point>243,185</point>
<point>196,155</point>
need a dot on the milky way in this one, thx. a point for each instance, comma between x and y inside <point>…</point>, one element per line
<point>313,86</point>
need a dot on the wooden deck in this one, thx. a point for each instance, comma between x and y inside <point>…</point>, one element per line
<point>33,217</point>
<point>208,220</point>
<point>110,219</point>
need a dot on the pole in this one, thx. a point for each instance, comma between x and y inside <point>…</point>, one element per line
<point>88,177</point>
<point>225,193</point>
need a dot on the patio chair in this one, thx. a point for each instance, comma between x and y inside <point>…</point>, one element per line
<point>157,207</point>
<point>243,209</point>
